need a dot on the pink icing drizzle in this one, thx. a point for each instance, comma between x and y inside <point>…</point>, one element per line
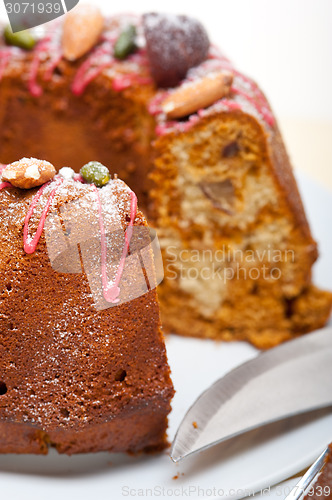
<point>258,100</point>
<point>163,128</point>
<point>78,178</point>
<point>227,104</point>
<point>43,49</point>
<point>4,60</point>
<point>85,75</point>
<point>52,65</point>
<point>154,106</point>
<point>125,81</point>
<point>34,88</point>
<point>28,243</point>
<point>4,184</point>
<point>98,60</point>
<point>111,289</point>
<point>102,58</point>
<point>259,104</point>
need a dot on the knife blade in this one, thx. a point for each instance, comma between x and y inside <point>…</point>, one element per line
<point>293,378</point>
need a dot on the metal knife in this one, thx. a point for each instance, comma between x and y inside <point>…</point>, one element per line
<point>293,378</point>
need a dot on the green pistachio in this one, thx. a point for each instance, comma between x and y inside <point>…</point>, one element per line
<point>95,173</point>
<point>23,39</point>
<point>125,44</point>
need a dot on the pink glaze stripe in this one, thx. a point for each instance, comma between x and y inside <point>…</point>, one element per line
<point>261,105</point>
<point>52,65</point>
<point>111,290</point>
<point>231,105</point>
<point>3,185</point>
<point>29,244</point>
<point>102,58</point>
<point>82,79</point>
<point>92,67</point>
<point>78,178</point>
<point>4,61</point>
<point>46,47</point>
<point>34,88</point>
<point>154,106</point>
<point>123,82</point>
<point>266,114</point>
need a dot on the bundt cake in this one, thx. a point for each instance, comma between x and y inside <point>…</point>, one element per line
<point>197,141</point>
<point>82,368</point>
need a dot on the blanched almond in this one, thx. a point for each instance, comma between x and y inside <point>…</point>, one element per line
<point>28,173</point>
<point>81,30</point>
<point>197,95</point>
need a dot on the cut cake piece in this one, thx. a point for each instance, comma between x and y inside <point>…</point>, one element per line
<point>71,376</point>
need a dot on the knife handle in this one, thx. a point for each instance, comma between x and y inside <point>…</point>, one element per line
<point>300,488</point>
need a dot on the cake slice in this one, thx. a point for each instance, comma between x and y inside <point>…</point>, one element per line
<point>75,374</point>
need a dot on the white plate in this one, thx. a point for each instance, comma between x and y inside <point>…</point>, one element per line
<point>233,469</point>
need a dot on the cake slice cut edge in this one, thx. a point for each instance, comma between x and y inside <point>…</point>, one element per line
<point>237,247</point>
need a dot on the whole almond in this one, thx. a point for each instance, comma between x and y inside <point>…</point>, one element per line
<point>82,28</point>
<point>28,173</point>
<point>197,95</point>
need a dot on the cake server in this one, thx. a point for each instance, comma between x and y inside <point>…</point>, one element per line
<point>293,378</point>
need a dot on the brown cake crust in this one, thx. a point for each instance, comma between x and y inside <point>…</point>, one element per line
<point>76,378</point>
